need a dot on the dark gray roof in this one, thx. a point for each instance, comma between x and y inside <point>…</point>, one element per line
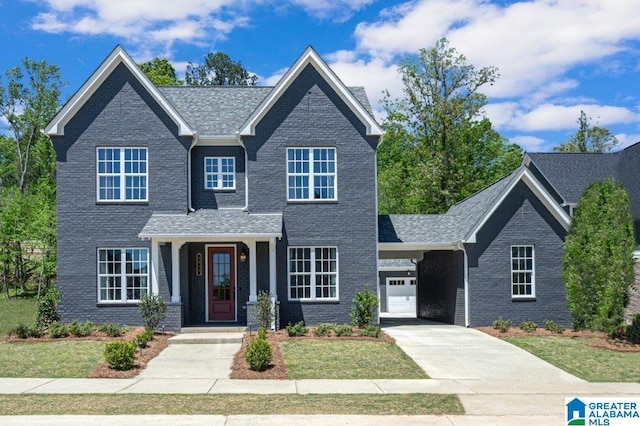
<point>209,222</point>
<point>571,173</point>
<point>221,110</point>
<point>396,264</point>
<point>406,228</point>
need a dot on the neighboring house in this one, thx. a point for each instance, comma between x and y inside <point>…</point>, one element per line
<point>209,195</point>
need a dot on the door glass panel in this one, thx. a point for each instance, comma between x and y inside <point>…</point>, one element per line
<point>222,276</point>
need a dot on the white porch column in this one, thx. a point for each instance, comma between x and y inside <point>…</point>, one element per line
<point>175,270</point>
<point>154,266</point>
<point>272,268</point>
<point>253,272</point>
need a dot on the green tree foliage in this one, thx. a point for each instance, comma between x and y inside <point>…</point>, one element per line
<point>438,149</point>
<point>589,138</point>
<point>160,72</point>
<point>219,70</point>
<point>597,265</point>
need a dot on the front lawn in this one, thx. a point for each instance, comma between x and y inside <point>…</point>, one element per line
<point>15,311</point>
<point>573,355</point>
<point>347,359</point>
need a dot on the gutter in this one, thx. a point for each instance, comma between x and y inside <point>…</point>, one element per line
<point>460,246</point>
<point>189,205</point>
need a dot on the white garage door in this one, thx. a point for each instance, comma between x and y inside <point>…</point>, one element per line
<point>401,295</point>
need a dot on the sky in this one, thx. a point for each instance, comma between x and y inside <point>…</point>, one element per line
<point>555,57</point>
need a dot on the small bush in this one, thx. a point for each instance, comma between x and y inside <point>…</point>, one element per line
<point>58,330</point>
<point>528,326</point>
<point>343,330</point>
<point>297,329</point>
<point>47,310</point>
<point>142,339</point>
<point>364,306</point>
<point>21,331</point>
<point>632,331</point>
<point>120,355</point>
<point>323,329</point>
<point>553,327</point>
<point>153,310</point>
<point>262,333</point>
<point>263,309</point>
<point>371,331</point>
<point>258,354</point>
<point>502,325</point>
<point>36,332</point>
<point>81,329</point>
<point>111,329</point>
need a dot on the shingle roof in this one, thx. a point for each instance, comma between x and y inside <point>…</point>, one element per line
<point>209,222</point>
<point>405,228</point>
<point>396,264</point>
<point>571,173</point>
<point>221,110</point>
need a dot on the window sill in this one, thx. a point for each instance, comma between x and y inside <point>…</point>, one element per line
<point>315,301</point>
<point>312,201</point>
<point>220,189</point>
<point>120,203</point>
<point>523,299</point>
<point>116,304</point>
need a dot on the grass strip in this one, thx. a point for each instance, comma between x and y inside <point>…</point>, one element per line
<point>15,311</point>
<point>231,404</point>
<point>348,359</point>
<point>574,356</point>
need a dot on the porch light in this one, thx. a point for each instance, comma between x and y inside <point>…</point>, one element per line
<point>243,256</point>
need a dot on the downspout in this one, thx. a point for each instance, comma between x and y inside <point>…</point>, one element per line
<point>189,206</point>
<point>466,283</point>
<point>246,173</point>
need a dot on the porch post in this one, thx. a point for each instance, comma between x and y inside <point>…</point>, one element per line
<point>272,268</point>
<point>154,266</point>
<point>253,273</point>
<point>175,270</point>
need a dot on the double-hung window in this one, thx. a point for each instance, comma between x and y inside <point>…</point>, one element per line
<point>122,174</point>
<point>522,271</point>
<point>123,274</point>
<point>311,174</point>
<point>313,273</point>
<point>219,173</point>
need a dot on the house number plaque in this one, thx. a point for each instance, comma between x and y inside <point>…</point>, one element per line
<point>199,264</point>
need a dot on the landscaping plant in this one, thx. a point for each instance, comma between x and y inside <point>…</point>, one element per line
<point>296,330</point>
<point>263,309</point>
<point>47,310</point>
<point>502,325</point>
<point>153,310</point>
<point>371,331</point>
<point>528,326</point>
<point>364,307</point>
<point>111,329</point>
<point>323,329</point>
<point>632,331</point>
<point>259,352</point>
<point>120,355</point>
<point>549,325</point>
<point>343,330</point>
<point>81,329</point>
<point>58,330</point>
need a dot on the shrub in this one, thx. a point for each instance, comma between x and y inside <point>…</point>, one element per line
<point>142,339</point>
<point>120,355</point>
<point>21,331</point>
<point>111,329</point>
<point>47,310</point>
<point>81,329</point>
<point>528,326</point>
<point>297,329</point>
<point>553,327</point>
<point>371,331</point>
<point>365,303</point>
<point>343,330</point>
<point>58,330</point>
<point>502,325</point>
<point>632,331</point>
<point>262,333</point>
<point>36,332</point>
<point>153,310</point>
<point>258,354</point>
<point>323,329</point>
<point>263,309</point>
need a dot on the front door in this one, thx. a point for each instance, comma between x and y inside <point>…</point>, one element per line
<point>221,283</point>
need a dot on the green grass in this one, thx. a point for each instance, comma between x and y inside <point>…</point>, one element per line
<point>347,359</point>
<point>364,404</point>
<point>50,359</point>
<point>14,311</point>
<point>575,357</point>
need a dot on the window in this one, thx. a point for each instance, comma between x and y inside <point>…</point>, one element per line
<point>122,174</point>
<point>311,174</point>
<point>313,273</point>
<point>123,274</point>
<point>522,272</point>
<point>219,173</point>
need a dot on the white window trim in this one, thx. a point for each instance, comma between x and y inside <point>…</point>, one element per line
<point>313,274</point>
<point>533,272</point>
<point>122,175</point>
<point>219,174</point>
<point>311,174</point>
<point>123,275</point>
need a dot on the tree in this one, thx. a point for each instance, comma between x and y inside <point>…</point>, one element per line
<point>589,138</point>
<point>219,70</point>
<point>597,265</point>
<point>438,148</point>
<point>160,72</point>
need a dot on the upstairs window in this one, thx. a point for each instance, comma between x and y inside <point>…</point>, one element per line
<point>311,174</point>
<point>122,174</point>
<point>219,173</point>
<point>522,272</point>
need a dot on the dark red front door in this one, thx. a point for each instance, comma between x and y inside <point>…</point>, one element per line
<point>221,283</point>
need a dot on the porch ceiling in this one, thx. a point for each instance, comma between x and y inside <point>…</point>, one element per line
<point>214,224</point>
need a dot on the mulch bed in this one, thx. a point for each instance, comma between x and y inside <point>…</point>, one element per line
<point>277,369</point>
<point>598,339</point>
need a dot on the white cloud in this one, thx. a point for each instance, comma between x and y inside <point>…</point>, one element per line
<point>627,139</point>
<point>339,10</point>
<point>528,143</point>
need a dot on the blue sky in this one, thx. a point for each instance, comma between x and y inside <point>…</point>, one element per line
<point>555,57</point>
